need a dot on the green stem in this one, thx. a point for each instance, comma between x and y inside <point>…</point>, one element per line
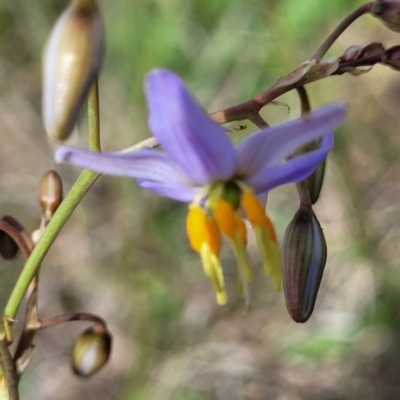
<point>61,216</point>
<point>94,118</point>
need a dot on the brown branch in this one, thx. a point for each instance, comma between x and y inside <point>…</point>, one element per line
<point>101,325</point>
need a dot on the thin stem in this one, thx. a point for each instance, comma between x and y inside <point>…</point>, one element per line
<point>60,319</point>
<point>247,109</point>
<point>94,117</point>
<point>364,9</point>
<point>304,100</point>
<point>61,216</point>
<point>10,373</point>
<point>302,187</point>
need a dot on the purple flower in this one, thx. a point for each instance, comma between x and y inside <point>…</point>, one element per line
<point>199,165</point>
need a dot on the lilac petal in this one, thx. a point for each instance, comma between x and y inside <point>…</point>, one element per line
<point>144,164</point>
<point>199,145</point>
<point>274,144</point>
<point>174,191</point>
<point>295,170</point>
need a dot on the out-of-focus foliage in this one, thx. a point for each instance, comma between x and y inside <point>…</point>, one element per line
<point>124,254</point>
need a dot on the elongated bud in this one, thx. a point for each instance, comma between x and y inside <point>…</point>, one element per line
<point>388,11</point>
<point>90,351</point>
<point>304,257</point>
<point>71,63</point>
<point>51,193</point>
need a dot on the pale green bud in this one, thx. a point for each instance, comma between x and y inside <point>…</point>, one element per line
<point>90,352</point>
<point>304,258</point>
<point>51,192</point>
<point>388,11</point>
<point>71,63</point>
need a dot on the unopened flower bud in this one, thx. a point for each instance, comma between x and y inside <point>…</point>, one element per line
<point>51,193</point>
<point>71,63</point>
<point>304,257</point>
<point>8,248</point>
<point>388,11</point>
<point>392,58</point>
<point>90,351</point>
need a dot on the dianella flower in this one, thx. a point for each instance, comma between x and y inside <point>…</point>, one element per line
<point>71,63</point>
<point>223,184</point>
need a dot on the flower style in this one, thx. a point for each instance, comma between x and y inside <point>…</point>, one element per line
<point>199,165</point>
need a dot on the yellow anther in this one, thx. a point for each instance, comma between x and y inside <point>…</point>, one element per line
<point>213,270</point>
<point>241,230</point>
<point>234,228</point>
<point>271,256</point>
<point>255,212</point>
<point>202,228</point>
<point>205,238</point>
<point>226,218</point>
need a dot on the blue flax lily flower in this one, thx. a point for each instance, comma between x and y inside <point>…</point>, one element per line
<point>199,165</point>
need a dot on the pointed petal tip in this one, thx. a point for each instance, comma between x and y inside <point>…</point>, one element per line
<point>339,110</point>
<point>158,75</point>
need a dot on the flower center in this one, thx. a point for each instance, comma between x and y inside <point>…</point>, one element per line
<point>226,205</point>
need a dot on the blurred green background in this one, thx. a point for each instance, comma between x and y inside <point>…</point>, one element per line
<point>124,254</point>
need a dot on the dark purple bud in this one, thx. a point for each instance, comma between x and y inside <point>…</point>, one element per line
<point>304,258</point>
<point>392,58</point>
<point>8,248</point>
<point>388,12</point>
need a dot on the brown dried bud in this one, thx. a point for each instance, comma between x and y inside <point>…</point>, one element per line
<point>354,53</point>
<point>388,11</point>
<point>51,193</point>
<point>392,58</point>
<point>71,63</point>
<point>8,248</point>
<point>90,352</point>
<point>304,258</point>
